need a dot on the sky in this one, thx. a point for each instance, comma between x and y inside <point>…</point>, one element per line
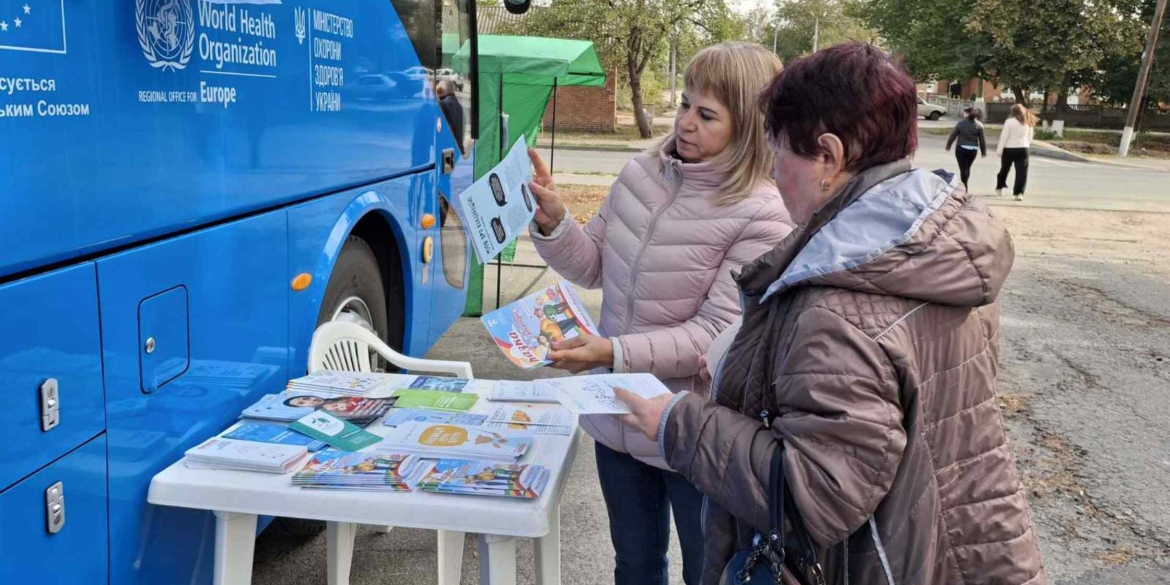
<point>744,6</point>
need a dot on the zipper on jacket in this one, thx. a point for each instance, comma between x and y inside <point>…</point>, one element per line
<point>642,251</point>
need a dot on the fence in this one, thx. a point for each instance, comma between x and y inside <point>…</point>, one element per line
<point>1103,117</point>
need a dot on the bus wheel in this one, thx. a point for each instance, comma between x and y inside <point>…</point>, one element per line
<point>354,294</point>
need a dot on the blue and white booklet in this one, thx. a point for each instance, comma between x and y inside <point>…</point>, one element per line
<point>497,208</point>
<point>270,432</point>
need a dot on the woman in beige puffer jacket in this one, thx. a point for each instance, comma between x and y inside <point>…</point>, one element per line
<point>678,223</point>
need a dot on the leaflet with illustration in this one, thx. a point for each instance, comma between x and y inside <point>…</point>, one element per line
<point>459,441</point>
<point>291,406</point>
<point>594,394</point>
<point>497,208</point>
<point>541,420</point>
<point>371,470</point>
<point>521,391</point>
<point>525,329</point>
<point>486,478</point>
<point>338,433</point>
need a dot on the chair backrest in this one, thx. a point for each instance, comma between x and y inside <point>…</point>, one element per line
<point>344,346</point>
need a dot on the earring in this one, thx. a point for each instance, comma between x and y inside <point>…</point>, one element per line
<point>824,185</point>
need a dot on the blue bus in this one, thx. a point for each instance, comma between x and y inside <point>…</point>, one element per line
<point>187,189</point>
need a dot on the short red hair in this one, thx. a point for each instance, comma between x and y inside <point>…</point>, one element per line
<point>852,90</point>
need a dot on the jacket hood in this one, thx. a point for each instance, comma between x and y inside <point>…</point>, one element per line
<point>909,233</point>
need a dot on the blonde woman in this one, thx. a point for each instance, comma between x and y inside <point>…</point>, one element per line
<point>678,223</point>
<point>1014,142</point>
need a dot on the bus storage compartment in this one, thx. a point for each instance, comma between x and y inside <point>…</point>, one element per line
<point>55,522</point>
<point>50,368</point>
<point>162,338</point>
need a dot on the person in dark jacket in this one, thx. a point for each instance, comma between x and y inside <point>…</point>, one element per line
<point>867,358</point>
<point>452,109</point>
<point>969,133</point>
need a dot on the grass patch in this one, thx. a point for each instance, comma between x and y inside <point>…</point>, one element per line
<point>583,200</point>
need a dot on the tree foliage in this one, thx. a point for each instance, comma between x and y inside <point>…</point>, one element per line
<point>630,35</point>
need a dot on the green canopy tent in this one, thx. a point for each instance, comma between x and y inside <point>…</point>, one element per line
<point>516,77</point>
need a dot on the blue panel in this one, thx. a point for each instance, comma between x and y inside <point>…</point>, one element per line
<point>447,302</point>
<point>140,118</point>
<point>162,338</point>
<point>236,280</point>
<point>51,325</point>
<point>75,554</point>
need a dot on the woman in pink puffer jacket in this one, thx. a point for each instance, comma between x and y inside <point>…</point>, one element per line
<point>677,223</point>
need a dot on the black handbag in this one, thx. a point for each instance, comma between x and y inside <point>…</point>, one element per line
<point>786,554</point>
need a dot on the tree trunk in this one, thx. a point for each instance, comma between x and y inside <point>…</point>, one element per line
<point>636,97</point>
<point>1021,95</point>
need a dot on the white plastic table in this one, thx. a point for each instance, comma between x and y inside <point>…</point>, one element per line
<point>238,497</point>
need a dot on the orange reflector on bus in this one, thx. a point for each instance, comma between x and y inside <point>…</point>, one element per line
<point>302,281</point>
<point>428,221</point>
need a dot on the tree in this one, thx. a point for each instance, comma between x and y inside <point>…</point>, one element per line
<point>630,34</point>
<point>798,21</point>
<point>1117,76</point>
<point>931,37</point>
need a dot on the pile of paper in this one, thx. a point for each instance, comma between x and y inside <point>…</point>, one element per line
<point>595,395</point>
<point>539,419</point>
<point>376,470</point>
<point>291,406</point>
<point>270,432</point>
<point>399,416</point>
<point>220,453</point>
<point>441,440</point>
<point>350,383</point>
<point>486,478</point>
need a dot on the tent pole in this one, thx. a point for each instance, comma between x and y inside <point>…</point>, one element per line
<point>503,141</point>
<point>552,151</point>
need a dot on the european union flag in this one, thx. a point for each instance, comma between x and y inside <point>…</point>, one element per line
<point>32,25</point>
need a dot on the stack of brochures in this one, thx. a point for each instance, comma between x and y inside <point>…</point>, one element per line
<point>398,416</point>
<point>350,383</point>
<point>451,441</point>
<point>270,432</point>
<point>291,406</point>
<point>220,453</point>
<point>374,470</point>
<point>485,478</point>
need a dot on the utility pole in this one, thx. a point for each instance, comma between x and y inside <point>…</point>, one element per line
<point>775,31</point>
<point>673,69</point>
<point>1135,104</point>
<point>816,34</point>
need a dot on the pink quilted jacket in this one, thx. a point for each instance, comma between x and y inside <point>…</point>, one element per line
<point>663,254</point>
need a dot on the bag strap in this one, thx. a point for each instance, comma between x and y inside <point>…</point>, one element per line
<point>781,503</point>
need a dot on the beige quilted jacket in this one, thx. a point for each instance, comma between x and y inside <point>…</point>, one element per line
<point>663,255</point>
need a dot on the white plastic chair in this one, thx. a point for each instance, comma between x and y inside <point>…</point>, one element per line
<point>347,347</point>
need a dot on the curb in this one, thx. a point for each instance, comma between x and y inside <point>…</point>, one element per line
<point>1046,150</point>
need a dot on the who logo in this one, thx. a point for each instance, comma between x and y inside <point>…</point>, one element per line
<point>166,32</point>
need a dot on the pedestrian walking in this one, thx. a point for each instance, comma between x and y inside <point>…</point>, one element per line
<point>969,134</point>
<point>859,393</point>
<point>679,221</point>
<point>1014,142</point>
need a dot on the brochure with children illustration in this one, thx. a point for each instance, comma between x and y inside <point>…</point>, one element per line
<point>525,329</point>
<point>497,208</point>
<point>542,420</point>
<point>594,394</point>
<point>440,384</point>
<point>372,470</point>
<point>459,441</point>
<point>486,478</point>
<point>291,406</point>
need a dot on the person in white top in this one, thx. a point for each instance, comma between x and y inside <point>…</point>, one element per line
<point>1013,146</point>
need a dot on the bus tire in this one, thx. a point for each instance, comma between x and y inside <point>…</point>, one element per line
<point>356,275</point>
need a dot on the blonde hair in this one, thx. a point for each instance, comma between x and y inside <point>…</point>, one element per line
<point>735,73</point>
<point>1024,116</point>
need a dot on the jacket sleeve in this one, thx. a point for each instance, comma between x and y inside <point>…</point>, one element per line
<point>674,352</point>
<point>839,424</point>
<point>575,252</point>
<point>1004,136</point>
<point>954,135</point>
<point>982,140</point>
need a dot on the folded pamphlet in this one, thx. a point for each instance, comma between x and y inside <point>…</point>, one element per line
<point>486,478</point>
<point>291,406</point>
<point>443,440</point>
<point>435,400</point>
<point>497,208</point>
<point>350,383</point>
<point>398,416</point>
<point>337,433</point>
<point>524,330</point>
<point>220,453</point>
<point>594,394</point>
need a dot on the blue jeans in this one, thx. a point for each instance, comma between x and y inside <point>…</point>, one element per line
<point>639,499</point>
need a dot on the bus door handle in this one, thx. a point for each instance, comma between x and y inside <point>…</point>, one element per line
<point>448,160</point>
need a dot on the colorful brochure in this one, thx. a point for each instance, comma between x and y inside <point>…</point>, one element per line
<point>374,470</point>
<point>594,394</point>
<point>440,384</point>
<point>459,441</point>
<point>343,435</point>
<point>538,419</point>
<point>291,406</point>
<point>435,400</point>
<point>525,329</point>
<point>270,432</point>
<point>399,416</point>
<point>486,478</point>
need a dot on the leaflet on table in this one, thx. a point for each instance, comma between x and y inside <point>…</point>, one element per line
<point>486,478</point>
<point>270,432</point>
<point>524,329</point>
<point>338,433</point>
<point>398,416</point>
<point>594,394</point>
<point>291,406</point>
<point>519,391</point>
<point>459,441</point>
<point>220,453</point>
<point>350,383</point>
<point>524,416</point>
<point>435,400</point>
<point>372,470</point>
<point>497,208</point>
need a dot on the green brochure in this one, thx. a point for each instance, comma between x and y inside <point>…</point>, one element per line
<point>449,401</point>
<point>337,433</point>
